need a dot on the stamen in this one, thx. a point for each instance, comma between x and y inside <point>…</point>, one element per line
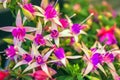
<point>55,3</point>
<point>72,15</point>
<point>87,18</point>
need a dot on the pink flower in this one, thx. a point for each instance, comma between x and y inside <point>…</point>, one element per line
<point>107,36</point>
<point>11,52</point>
<point>50,12</point>
<point>39,40</point>
<point>64,23</point>
<point>54,33</point>
<point>3,75</point>
<point>40,75</point>
<point>19,33</point>
<point>29,7</point>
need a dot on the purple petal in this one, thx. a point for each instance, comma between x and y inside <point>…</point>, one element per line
<point>59,53</point>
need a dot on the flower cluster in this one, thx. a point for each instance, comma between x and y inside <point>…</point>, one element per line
<point>46,47</point>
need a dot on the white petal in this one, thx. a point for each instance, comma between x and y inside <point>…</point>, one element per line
<point>73,57</point>
<point>47,55</point>
<point>88,69</point>
<point>34,51</point>
<point>82,32</point>
<point>45,69</point>
<point>101,68</point>
<point>20,63</point>
<point>19,20</point>
<point>7,28</point>
<point>54,26</point>
<point>76,38</point>
<point>39,28</point>
<point>65,33</point>
<point>29,29</point>
<point>40,9</point>
<point>31,66</point>
<point>38,14</point>
<point>56,20</point>
<point>57,41</point>
<point>21,51</point>
<point>63,61</point>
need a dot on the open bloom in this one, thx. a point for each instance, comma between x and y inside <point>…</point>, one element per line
<point>93,59</point>
<point>100,56</point>
<point>107,36</point>
<point>19,31</point>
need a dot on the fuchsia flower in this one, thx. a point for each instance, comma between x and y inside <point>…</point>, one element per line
<point>40,75</point>
<point>54,33</point>
<point>11,52</point>
<point>50,12</point>
<point>27,57</point>
<point>100,56</point>
<point>64,23</point>
<point>39,40</point>
<point>76,28</point>
<point>107,36</point>
<point>93,59</point>
<point>19,31</point>
<point>29,7</point>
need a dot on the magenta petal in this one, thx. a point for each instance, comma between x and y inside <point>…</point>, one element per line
<point>59,53</point>
<point>7,28</point>
<point>19,20</point>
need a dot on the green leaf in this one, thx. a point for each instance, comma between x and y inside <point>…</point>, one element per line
<point>79,77</point>
<point>92,78</point>
<point>8,40</point>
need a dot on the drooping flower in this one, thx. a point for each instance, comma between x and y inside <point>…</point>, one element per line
<point>40,75</point>
<point>59,53</point>
<point>3,75</point>
<point>27,57</point>
<point>54,33</point>
<point>11,52</point>
<point>50,12</point>
<point>64,22</point>
<point>39,40</point>
<point>76,28</point>
<point>29,7</point>
<point>107,36</point>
